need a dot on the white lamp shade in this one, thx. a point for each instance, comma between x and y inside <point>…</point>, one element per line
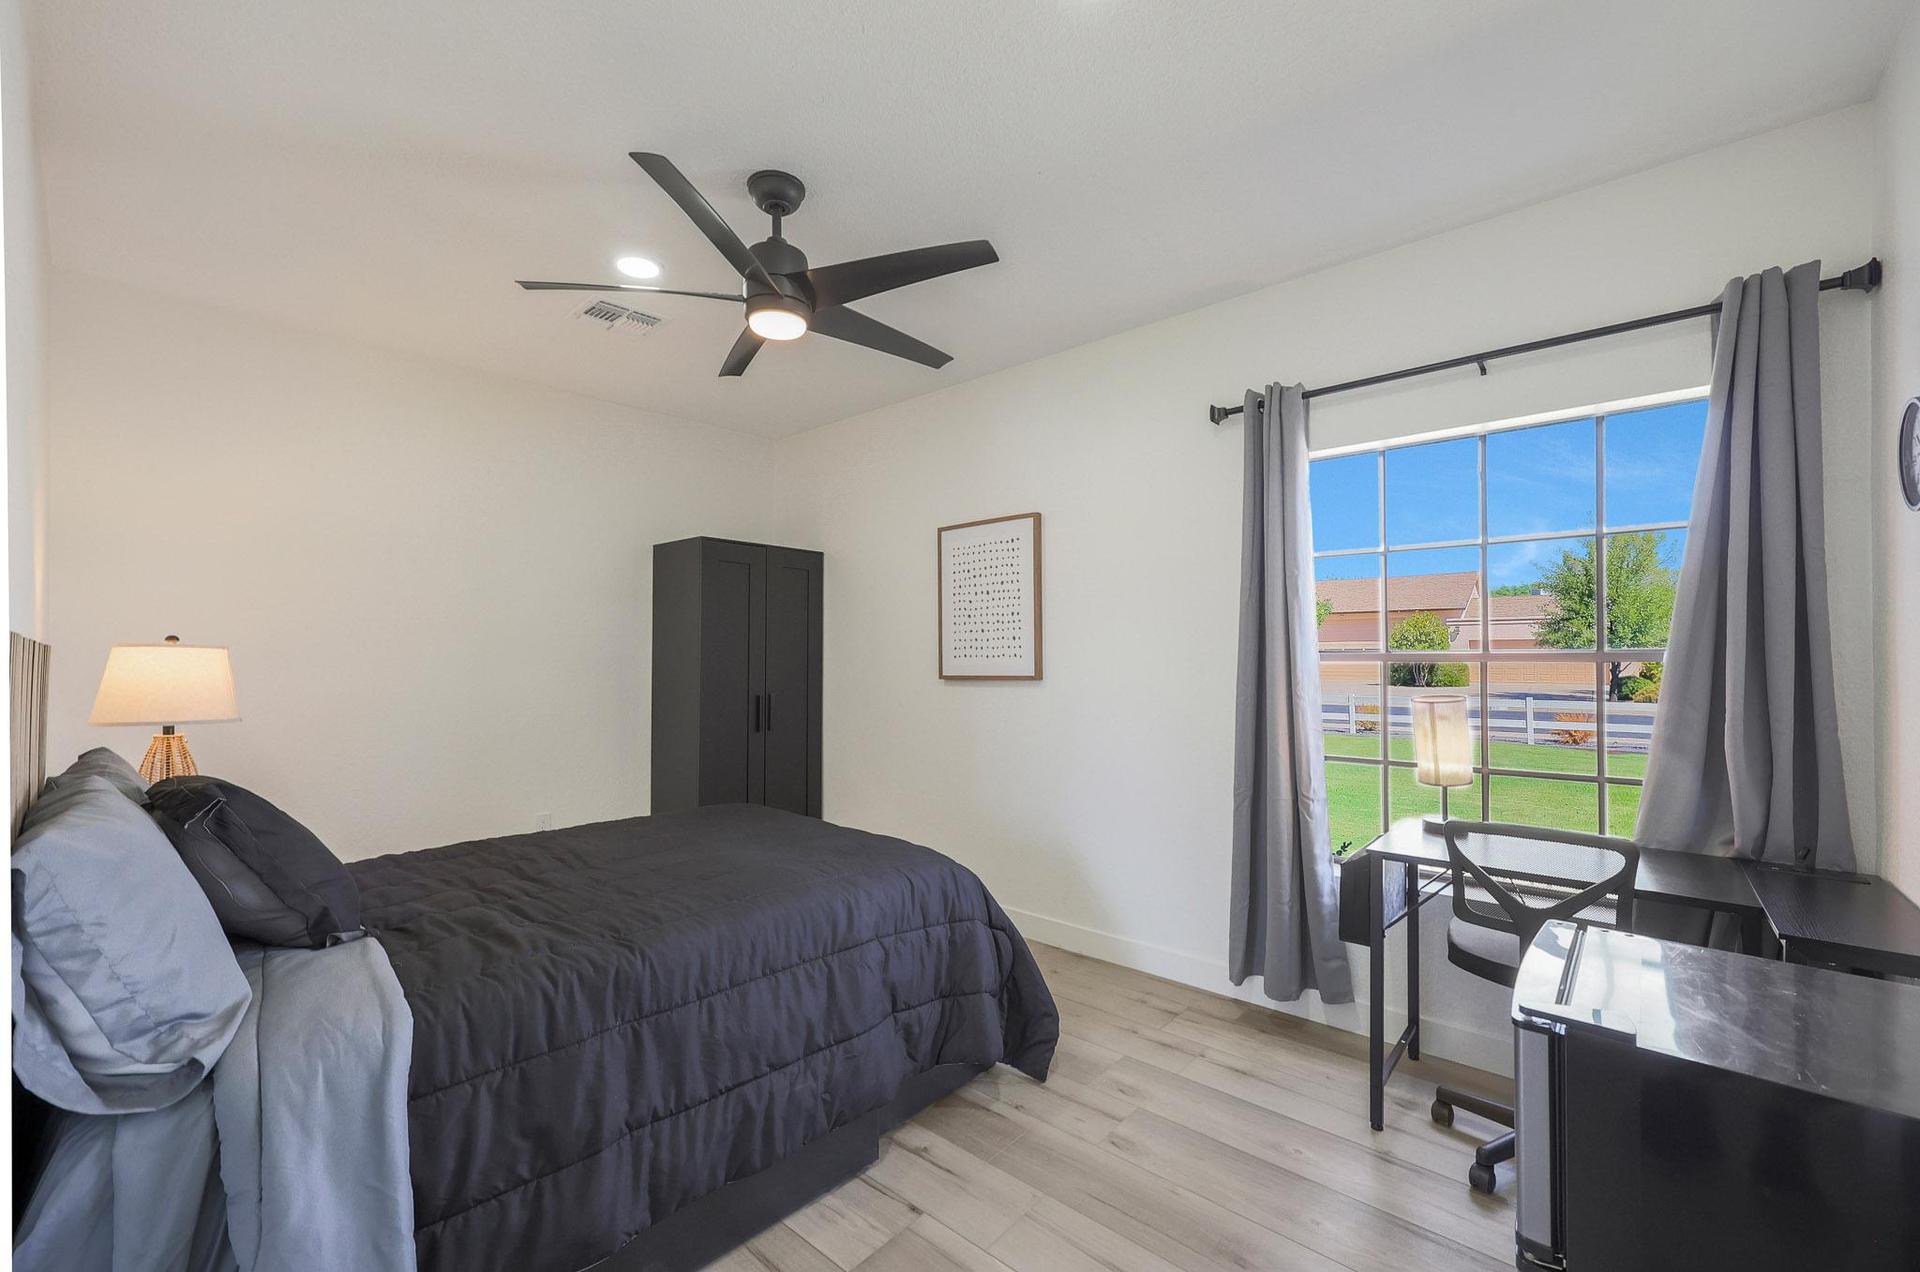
<point>165,684</point>
<point>1442,744</point>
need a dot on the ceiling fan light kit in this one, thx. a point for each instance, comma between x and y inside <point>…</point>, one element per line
<point>784,298</point>
<point>776,318</point>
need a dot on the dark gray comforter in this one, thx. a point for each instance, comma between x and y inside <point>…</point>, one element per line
<point>613,1020</point>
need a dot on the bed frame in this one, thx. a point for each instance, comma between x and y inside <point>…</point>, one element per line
<point>696,1235</point>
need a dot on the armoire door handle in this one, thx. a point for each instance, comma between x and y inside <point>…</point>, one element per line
<point>769,713</point>
<point>756,713</point>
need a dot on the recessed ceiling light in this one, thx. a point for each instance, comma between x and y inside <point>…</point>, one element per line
<point>637,267</point>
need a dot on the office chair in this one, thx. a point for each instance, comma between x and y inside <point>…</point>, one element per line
<point>1493,925</point>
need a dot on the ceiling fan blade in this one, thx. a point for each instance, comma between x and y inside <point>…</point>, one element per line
<point>742,353</point>
<point>856,328</point>
<point>625,287</point>
<point>701,213</point>
<point>851,280</point>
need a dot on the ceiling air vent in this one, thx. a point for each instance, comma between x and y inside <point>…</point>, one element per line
<point>612,317</point>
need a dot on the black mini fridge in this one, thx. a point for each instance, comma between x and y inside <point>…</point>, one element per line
<point>1687,1108</point>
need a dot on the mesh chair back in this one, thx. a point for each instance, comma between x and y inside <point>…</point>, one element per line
<point>1518,913</point>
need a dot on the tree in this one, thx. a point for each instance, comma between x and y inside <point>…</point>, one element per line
<point>1644,687</point>
<point>1424,630</point>
<point>1640,588</point>
<point>1321,608</point>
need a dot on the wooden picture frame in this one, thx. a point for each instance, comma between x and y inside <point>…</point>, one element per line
<point>987,598</point>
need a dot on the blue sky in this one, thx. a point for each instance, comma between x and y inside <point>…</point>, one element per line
<point>1651,459</point>
<point>1540,481</point>
<point>1433,492</point>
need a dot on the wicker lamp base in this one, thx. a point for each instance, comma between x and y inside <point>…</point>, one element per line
<point>168,756</point>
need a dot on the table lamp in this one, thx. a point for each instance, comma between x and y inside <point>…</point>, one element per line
<point>167,684</point>
<point>1442,746</point>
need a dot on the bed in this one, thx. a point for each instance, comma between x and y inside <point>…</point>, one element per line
<point>618,1023</point>
<point>628,1045</point>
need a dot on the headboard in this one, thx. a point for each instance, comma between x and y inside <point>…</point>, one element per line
<point>27,716</point>
<point>27,702</point>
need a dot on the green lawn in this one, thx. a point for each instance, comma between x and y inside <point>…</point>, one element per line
<point>1353,790</point>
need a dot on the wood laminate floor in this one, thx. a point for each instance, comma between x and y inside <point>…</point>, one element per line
<point>1178,1132</point>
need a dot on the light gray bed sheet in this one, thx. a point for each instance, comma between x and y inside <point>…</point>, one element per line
<point>292,1155</point>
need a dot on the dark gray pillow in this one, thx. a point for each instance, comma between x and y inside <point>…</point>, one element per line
<point>101,762</point>
<point>269,879</point>
<point>125,991</point>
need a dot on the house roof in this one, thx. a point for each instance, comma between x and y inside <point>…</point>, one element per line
<point>1349,596</point>
<point>1446,594</point>
<point>1532,605</point>
<point>1451,595</point>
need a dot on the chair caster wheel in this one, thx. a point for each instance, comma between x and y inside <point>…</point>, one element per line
<point>1442,1113</point>
<point>1481,1177</point>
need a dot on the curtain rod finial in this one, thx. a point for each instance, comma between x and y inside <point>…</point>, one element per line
<point>1864,278</point>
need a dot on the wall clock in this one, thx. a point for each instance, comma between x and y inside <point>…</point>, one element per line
<point>1910,453</point>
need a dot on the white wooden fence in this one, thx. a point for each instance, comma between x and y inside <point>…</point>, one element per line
<point>1517,717</point>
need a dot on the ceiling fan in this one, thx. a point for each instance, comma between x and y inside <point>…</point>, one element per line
<point>785,298</point>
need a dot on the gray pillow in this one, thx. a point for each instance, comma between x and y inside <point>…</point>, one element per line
<point>125,990</point>
<point>99,762</point>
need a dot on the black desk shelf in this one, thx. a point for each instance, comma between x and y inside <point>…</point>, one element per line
<point>1853,922</point>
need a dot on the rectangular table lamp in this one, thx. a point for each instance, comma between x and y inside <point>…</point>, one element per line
<point>167,684</point>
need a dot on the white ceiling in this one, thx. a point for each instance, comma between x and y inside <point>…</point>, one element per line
<point>384,169</point>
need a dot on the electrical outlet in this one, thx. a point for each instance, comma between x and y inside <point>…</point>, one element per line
<point>543,821</point>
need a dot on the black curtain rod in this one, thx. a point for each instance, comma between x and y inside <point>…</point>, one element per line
<point>1863,279</point>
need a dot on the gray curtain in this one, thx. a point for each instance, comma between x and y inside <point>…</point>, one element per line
<point>1284,925</point>
<point>1746,751</point>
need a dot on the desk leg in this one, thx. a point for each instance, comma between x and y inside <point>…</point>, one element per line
<point>1376,991</point>
<point>1413,960</point>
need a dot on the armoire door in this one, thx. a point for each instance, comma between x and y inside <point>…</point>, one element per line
<point>791,731</point>
<point>733,606</point>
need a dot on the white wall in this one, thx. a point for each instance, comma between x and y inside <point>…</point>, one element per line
<point>436,587</point>
<point>1897,378</point>
<point>1097,803</point>
<point>25,345</point>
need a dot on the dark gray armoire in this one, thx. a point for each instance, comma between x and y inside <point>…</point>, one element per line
<point>736,675</point>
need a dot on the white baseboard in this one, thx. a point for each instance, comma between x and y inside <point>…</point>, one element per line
<point>1449,1040</point>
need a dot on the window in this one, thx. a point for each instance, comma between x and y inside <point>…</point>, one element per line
<point>1531,569</point>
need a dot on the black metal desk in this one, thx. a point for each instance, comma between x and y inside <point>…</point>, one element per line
<point>1373,903</point>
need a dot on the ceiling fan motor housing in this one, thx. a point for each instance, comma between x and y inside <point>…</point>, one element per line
<point>779,257</point>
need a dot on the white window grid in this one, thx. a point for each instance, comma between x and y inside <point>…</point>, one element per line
<point>1486,655</point>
